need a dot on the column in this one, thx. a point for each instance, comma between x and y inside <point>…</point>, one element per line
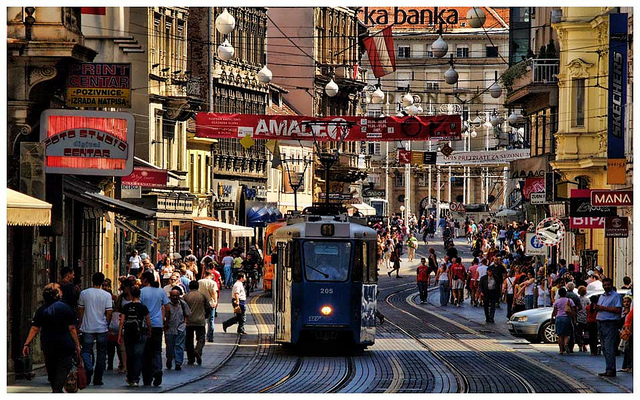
<point>407,188</point>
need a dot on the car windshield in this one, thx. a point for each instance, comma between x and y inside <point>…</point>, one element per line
<point>326,260</point>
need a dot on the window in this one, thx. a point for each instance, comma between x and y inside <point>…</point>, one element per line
<point>374,149</point>
<point>429,52</point>
<point>404,52</point>
<point>403,79</point>
<point>432,86</point>
<point>423,179</point>
<point>462,51</point>
<point>326,261</point>
<point>399,178</point>
<point>578,89</point>
<point>492,51</point>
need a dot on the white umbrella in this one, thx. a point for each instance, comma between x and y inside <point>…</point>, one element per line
<point>507,212</point>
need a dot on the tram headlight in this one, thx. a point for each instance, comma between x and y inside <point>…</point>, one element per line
<point>326,310</point>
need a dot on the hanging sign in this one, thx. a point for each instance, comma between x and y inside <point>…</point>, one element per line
<point>299,127</point>
<point>404,156</point>
<point>146,177</point>
<point>617,96</point>
<point>616,227</point>
<point>483,157</point>
<point>603,198</point>
<point>93,85</point>
<point>550,231</point>
<point>84,142</point>
<point>586,222</point>
<point>534,247</point>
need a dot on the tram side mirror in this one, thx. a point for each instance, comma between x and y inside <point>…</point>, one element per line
<point>274,258</point>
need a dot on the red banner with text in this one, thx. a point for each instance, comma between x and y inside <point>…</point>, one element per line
<point>297,127</point>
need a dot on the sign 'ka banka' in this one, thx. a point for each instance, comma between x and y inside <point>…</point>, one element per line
<point>603,198</point>
<point>298,127</point>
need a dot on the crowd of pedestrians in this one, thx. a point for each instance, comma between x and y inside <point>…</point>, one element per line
<point>502,274</point>
<point>173,302</point>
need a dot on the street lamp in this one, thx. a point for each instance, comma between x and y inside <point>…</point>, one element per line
<point>226,51</point>
<point>265,75</point>
<point>225,24</point>
<point>476,17</point>
<point>495,89</point>
<point>451,75</point>
<point>332,88</point>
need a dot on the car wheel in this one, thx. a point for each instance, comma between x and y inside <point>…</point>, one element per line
<point>548,332</point>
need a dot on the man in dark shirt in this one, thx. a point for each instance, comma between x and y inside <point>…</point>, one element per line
<point>70,291</point>
<point>489,293</point>
<point>56,321</point>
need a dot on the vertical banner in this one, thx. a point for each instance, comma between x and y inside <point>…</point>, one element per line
<point>616,161</point>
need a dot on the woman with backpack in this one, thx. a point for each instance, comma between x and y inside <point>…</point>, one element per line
<point>133,317</point>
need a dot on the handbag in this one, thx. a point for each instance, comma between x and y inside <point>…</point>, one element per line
<point>71,383</point>
<point>626,333</point>
<point>237,310</point>
<point>81,375</point>
<point>567,309</point>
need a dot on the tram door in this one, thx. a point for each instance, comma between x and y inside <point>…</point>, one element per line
<point>282,290</point>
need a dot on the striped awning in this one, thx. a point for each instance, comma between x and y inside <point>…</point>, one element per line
<point>24,210</point>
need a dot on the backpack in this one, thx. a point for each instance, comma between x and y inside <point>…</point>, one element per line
<point>132,328</point>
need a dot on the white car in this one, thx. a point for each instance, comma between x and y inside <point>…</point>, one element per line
<point>535,324</point>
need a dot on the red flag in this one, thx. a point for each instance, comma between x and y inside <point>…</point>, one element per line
<point>382,54</point>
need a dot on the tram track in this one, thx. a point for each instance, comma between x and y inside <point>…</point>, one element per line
<point>286,373</point>
<point>468,359</point>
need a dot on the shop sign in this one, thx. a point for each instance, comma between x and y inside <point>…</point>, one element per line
<point>410,16</point>
<point>337,196</point>
<point>616,227</point>
<point>550,231</point>
<point>621,198</point>
<point>617,98</point>
<point>581,207</point>
<point>533,185</point>
<point>223,205</point>
<point>147,177</point>
<point>300,127</point>
<point>534,247</point>
<point>429,157</point>
<point>534,167</point>
<point>483,157</point>
<point>93,85</point>
<point>404,156</point>
<point>130,191</point>
<point>373,193</point>
<point>539,198</point>
<point>87,142</point>
<point>586,222</point>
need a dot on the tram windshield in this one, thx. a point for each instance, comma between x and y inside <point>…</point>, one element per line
<point>326,261</point>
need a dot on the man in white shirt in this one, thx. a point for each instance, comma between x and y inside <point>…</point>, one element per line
<point>238,299</point>
<point>595,285</point>
<point>94,313</point>
<point>209,288</point>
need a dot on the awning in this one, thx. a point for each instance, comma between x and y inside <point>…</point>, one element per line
<point>236,230</point>
<point>119,206</point>
<point>507,212</point>
<point>364,209</point>
<point>133,228</point>
<point>24,210</point>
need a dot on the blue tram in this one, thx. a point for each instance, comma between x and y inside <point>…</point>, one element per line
<point>325,280</point>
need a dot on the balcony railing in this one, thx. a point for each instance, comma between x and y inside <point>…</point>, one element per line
<point>545,70</point>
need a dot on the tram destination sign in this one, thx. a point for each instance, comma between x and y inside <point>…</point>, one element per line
<point>615,198</point>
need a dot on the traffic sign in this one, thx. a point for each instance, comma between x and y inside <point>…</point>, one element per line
<point>550,231</point>
<point>534,247</point>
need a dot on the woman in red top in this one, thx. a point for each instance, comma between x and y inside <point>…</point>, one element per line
<point>459,275</point>
<point>592,325</point>
<point>423,273</point>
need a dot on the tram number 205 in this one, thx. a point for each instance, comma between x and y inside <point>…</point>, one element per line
<point>326,290</point>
